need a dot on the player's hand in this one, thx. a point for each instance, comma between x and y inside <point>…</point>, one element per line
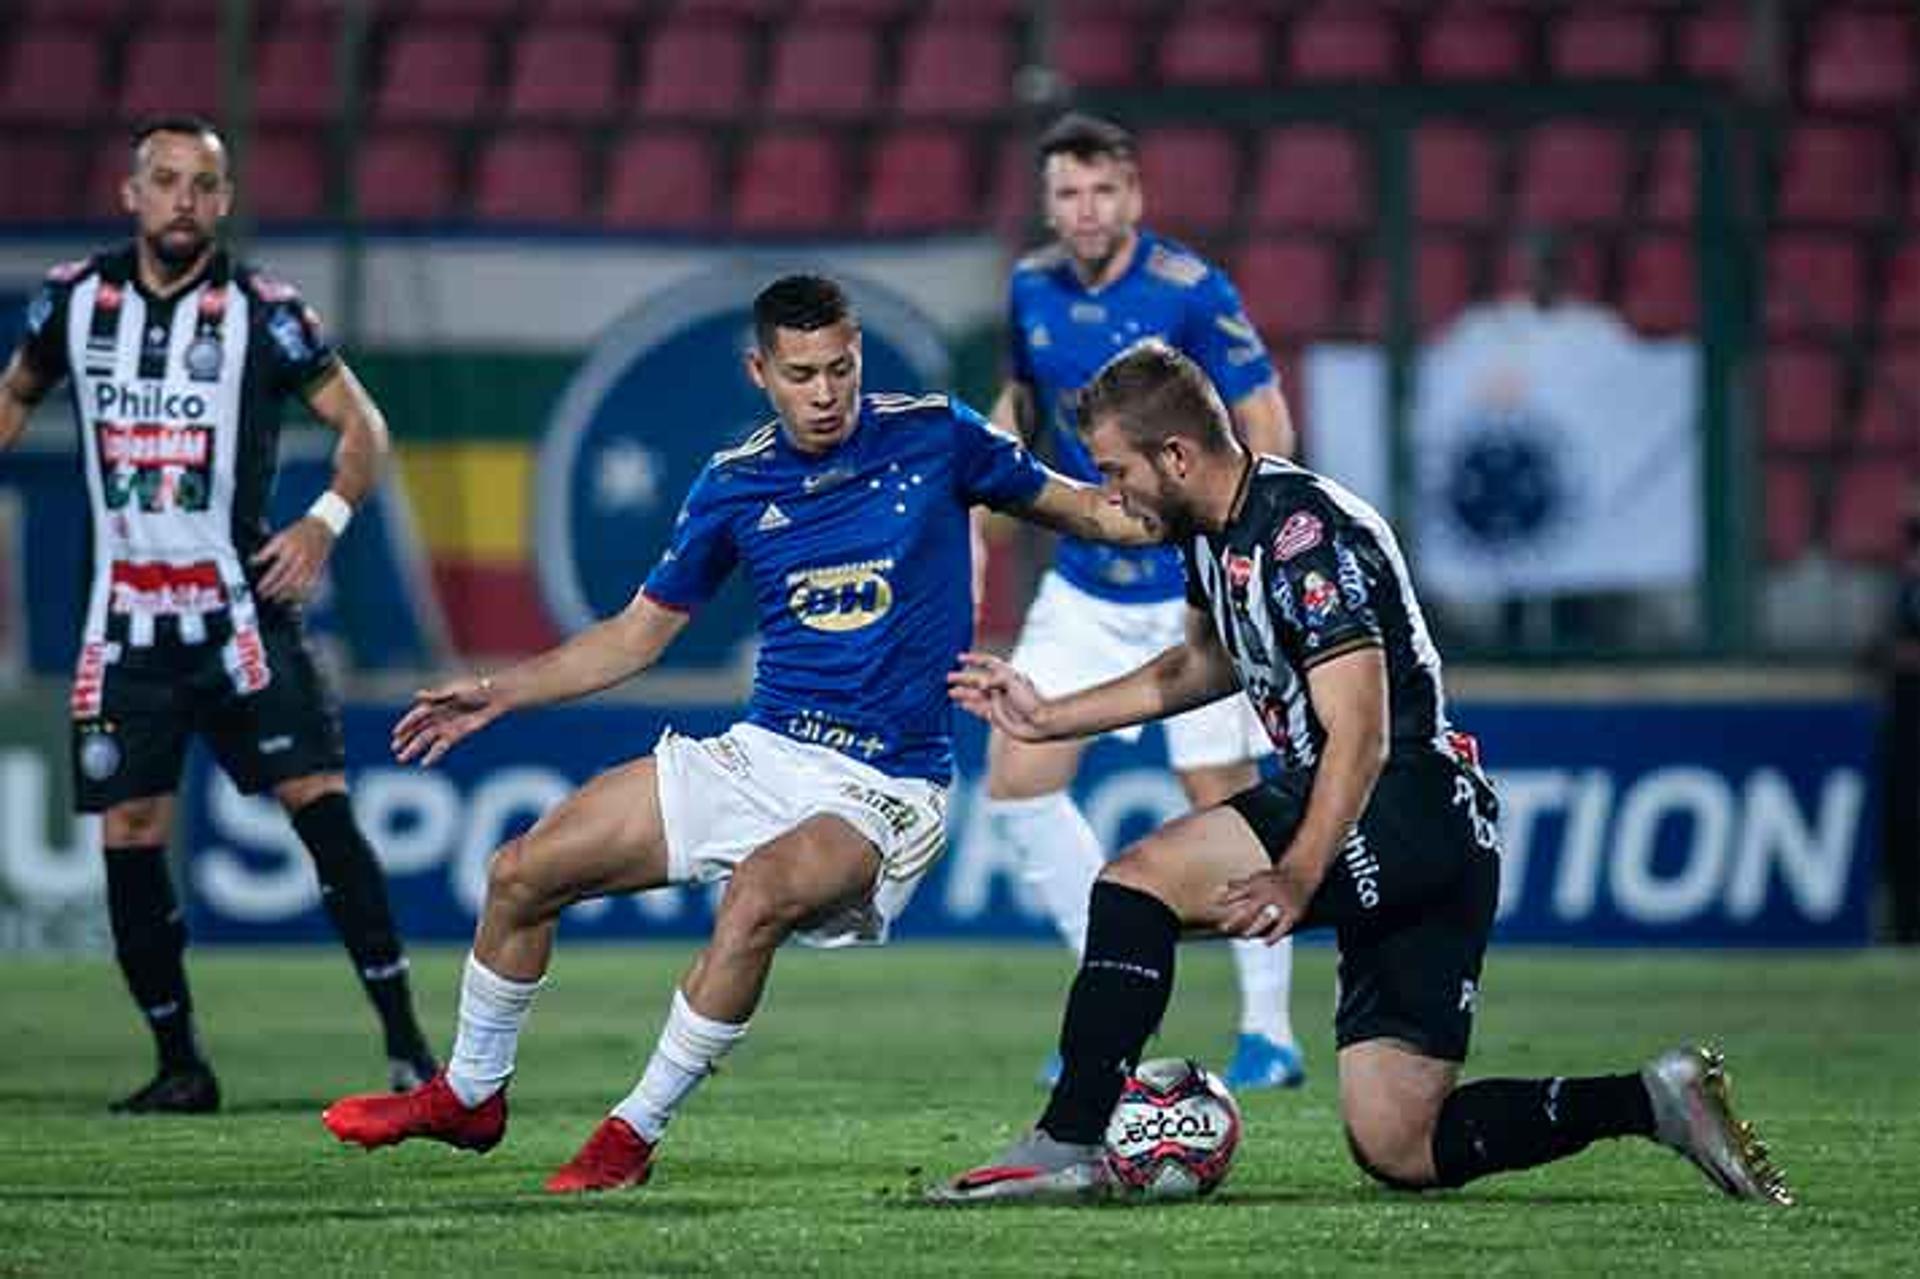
<point>440,717</point>
<point>996,692</point>
<point>293,558</point>
<point>1268,904</point>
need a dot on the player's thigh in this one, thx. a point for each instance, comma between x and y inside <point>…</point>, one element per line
<point>1390,1097</point>
<point>607,837</point>
<point>1189,862</point>
<point>820,865</point>
<point>133,823</point>
<point>1026,770</point>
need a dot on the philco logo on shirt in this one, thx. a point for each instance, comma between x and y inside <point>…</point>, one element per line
<point>844,597</point>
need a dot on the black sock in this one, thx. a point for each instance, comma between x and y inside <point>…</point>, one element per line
<point>1116,1005</point>
<point>1497,1125</point>
<point>150,940</point>
<point>354,892</point>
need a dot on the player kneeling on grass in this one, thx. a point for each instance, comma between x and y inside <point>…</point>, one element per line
<point>825,806</point>
<point>1380,826</point>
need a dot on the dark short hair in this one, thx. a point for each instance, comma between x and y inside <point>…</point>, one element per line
<point>1152,392</point>
<point>802,302</point>
<point>1085,137</point>
<point>192,125</point>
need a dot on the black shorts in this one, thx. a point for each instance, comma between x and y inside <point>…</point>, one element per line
<point>1411,898</point>
<point>155,698</point>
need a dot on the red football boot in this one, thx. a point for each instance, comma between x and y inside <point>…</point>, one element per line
<point>614,1157</point>
<point>432,1111</point>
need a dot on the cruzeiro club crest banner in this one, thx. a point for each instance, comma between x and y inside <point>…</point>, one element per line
<point>1554,451</point>
<point>662,392</point>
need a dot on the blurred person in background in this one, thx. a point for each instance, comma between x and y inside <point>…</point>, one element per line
<point>180,360</point>
<point>1105,283</point>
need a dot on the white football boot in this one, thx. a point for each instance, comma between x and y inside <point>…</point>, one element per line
<point>1693,1114</point>
<point>1036,1168</point>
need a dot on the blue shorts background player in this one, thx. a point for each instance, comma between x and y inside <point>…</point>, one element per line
<point>1105,283</point>
<point>825,806</point>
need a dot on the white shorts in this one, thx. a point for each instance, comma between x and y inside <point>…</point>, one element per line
<point>1073,640</point>
<point>723,797</point>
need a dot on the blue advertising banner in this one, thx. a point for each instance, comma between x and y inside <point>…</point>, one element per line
<point>1744,824</point>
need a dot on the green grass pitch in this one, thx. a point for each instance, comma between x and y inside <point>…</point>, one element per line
<point>867,1073</point>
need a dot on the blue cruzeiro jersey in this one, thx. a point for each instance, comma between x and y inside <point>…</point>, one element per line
<point>1061,333</point>
<point>859,559</point>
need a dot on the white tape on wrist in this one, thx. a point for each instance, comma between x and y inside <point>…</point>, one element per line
<point>333,511</point>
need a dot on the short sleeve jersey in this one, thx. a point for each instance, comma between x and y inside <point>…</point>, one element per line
<point>1305,572</point>
<point>179,403</point>
<point>1060,334</point>
<point>859,563</point>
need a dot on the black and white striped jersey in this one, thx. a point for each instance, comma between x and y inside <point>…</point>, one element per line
<point>1307,571</point>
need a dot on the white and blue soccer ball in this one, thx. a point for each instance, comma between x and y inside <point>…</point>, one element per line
<point>1173,1133</point>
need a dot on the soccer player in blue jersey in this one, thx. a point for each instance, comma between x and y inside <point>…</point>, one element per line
<point>825,806</point>
<point>1103,285</point>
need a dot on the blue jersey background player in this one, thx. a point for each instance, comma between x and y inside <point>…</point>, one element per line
<point>1103,285</point>
<point>825,806</point>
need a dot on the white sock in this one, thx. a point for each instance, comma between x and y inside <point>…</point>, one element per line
<point>492,1010</point>
<point>689,1046</point>
<point>1059,856</point>
<point>1266,987</point>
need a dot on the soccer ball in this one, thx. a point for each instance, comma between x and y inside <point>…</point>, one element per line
<point>1173,1134</point>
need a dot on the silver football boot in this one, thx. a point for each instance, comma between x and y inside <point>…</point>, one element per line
<point>1036,1168</point>
<point>1693,1114</point>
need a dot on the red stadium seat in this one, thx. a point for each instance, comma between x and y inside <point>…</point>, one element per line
<point>1337,42</point>
<point>1860,60</point>
<point>1871,498</point>
<point>790,183</point>
<point>863,10</point>
<point>531,177</point>
<point>77,14</point>
<point>1104,52</point>
<point>660,180</point>
<point>434,75</point>
<point>1658,296</point>
<point>758,10</point>
<point>695,70</point>
<point>1672,188</point>
<point>170,74</point>
<point>45,178</point>
<point>52,76</point>
<point>1890,418</point>
<point>1815,284</point>
<point>286,177</point>
<point>1581,270</point>
<point>1900,307</point>
<point>1219,47</point>
<point>1574,173</point>
<point>1788,501</point>
<point>922,179</point>
<point>621,14</point>
<point>1443,285</point>
<point>1015,202</point>
<point>406,177</point>
<point>471,12</point>
<point>1463,42</point>
<point>295,82</point>
<point>1801,410</point>
<point>1837,173</point>
<point>956,68</point>
<point>566,74</point>
<point>1312,176</point>
<point>824,70</point>
<point>1291,288</point>
<point>1191,178</point>
<point>1714,44</point>
<point>1604,45</point>
<point>1455,173</point>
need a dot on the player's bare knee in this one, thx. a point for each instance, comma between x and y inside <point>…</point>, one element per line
<point>1395,1154</point>
<point>756,913</point>
<point>138,821</point>
<point>513,885</point>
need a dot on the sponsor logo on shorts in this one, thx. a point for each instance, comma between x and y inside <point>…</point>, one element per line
<point>1470,1000</point>
<point>89,678</point>
<point>276,745</point>
<point>900,816</point>
<point>841,597</point>
<point>100,753</point>
<point>1364,867</point>
<point>246,661</point>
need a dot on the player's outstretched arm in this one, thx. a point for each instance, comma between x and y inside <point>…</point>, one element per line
<point>1185,676</point>
<point>20,389</point>
<point>293,558</point>
<point>1349,694</point>
<point>1088,511</point>
<point>602,655</point>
